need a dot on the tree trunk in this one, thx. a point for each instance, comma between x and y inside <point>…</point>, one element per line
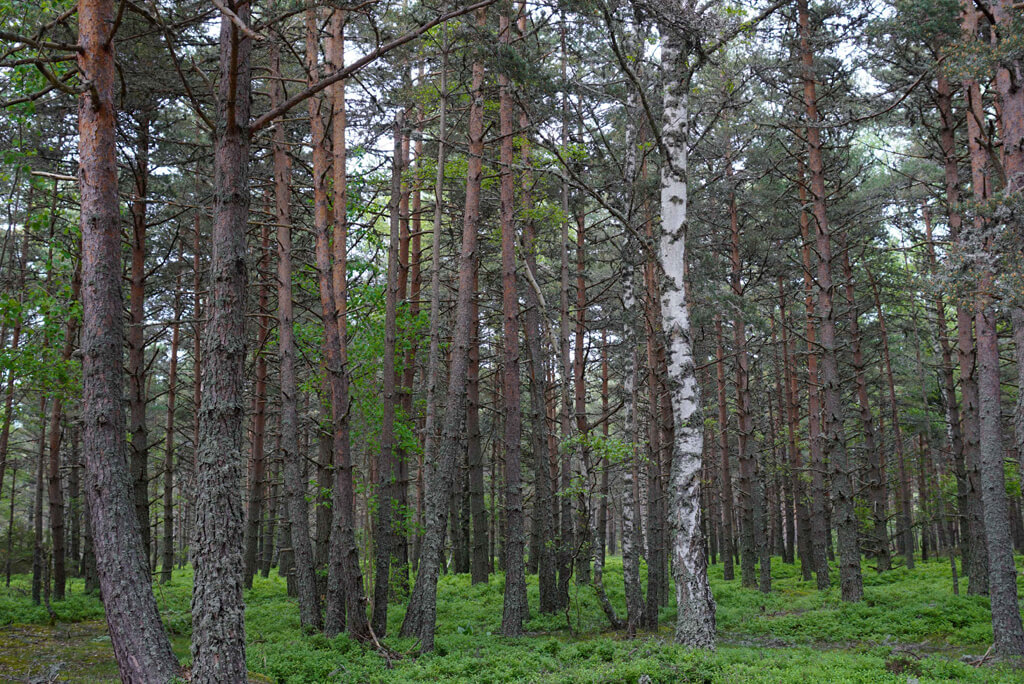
<point>878,495</point>
<point>906,529</point>
<point>820,532</point>
<point>1007,631</point>
<point>218,619</point>
<point>516,610</point>
<point>38,552</point>
<point>257,475</point>
<point>479,564</point>
<point>803,522</point>
<point>55,489</point>
<point>387,470</point>
<point>140,643</point>
<point>345,598</point>
<point>728,552</point>
<point>167,563</point>
<point>965,502</point>
<point>978,562</point>
<point>295,509</point>
<point>750,523</point>
<point>850,581</point>
<point>695,622</point>
<point>421,614</point>
<point>137,425</point>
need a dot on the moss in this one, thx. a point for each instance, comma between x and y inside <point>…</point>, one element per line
<point>909,625</point>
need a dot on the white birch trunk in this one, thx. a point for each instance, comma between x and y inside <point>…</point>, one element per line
<point>695,624</point>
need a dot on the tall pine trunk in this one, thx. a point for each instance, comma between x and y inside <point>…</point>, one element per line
<point>140,643</point>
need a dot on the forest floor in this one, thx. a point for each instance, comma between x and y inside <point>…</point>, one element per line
<point>909,628</point>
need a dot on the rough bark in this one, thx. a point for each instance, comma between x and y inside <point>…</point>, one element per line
<point>218,620</point>
<point>850,581</point>
<point>167,562</point>
<point>421,614</point>
<point>346,603</point>
<point>695,623</point>
<point>258,471</point>
<point>479,565</point>
<point>1007,631</point>
<point>386,464</point>
<point>140,644</point>
<point>515,610</point>
<point>296,509</point>
<point>138,427</point>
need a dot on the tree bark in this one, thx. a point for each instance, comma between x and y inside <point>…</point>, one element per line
<point>878,494</point>
<point>140,643</point>
<point>55,489</point>
<point>421,615</point>
<point>346,603</point>
<point>803,522</point>
<point>850,581</point>
<point>516,610</point>
<point>728,537</point>
<point>218,620</point>
<point>258,472</point>
<point>167,563</point>
<point>695,622</point>
<point>387,464</point>
<point>295,508</point>
<point>137,400</point>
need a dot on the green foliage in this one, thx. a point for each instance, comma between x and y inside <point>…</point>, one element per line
<point>909,625</point>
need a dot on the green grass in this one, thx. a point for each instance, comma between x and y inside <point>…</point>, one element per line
<point>910,625</point>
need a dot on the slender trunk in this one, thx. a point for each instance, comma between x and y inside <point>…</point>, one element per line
<point>820,533</point>
<point>728,552</point>
<point>533,317</point>
<point>851,583</point>
<point>516,610</point>
<point>55,489</point>
<point>478,510</point>
<point>296,510</point>
<point>386,464</point>
<point>630,503</point>
<point>218,619</point>
<point>434,353</point>
<point>257,475</point>
<point>602,511</point>
<point>878,495</point>
<point>803,521</point>
<point>167,564</point>
<point>906,522</point>
<point>38,552</point>
<point>748,481</point>
<point>137,425</point>
<point>75,512</point>
<point>10,528</point>
<point>421,614</point>
<point>978,568</point>
<point>566,543</point>
<point>140,643</point>
<point>345,598</point>
<point>656,537</point>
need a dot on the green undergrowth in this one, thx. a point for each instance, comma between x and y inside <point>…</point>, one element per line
<point>909,626</point>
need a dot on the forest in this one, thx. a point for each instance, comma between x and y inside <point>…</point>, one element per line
<point>511,341</point>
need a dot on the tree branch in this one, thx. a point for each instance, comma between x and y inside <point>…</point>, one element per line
<point>347,71</point>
